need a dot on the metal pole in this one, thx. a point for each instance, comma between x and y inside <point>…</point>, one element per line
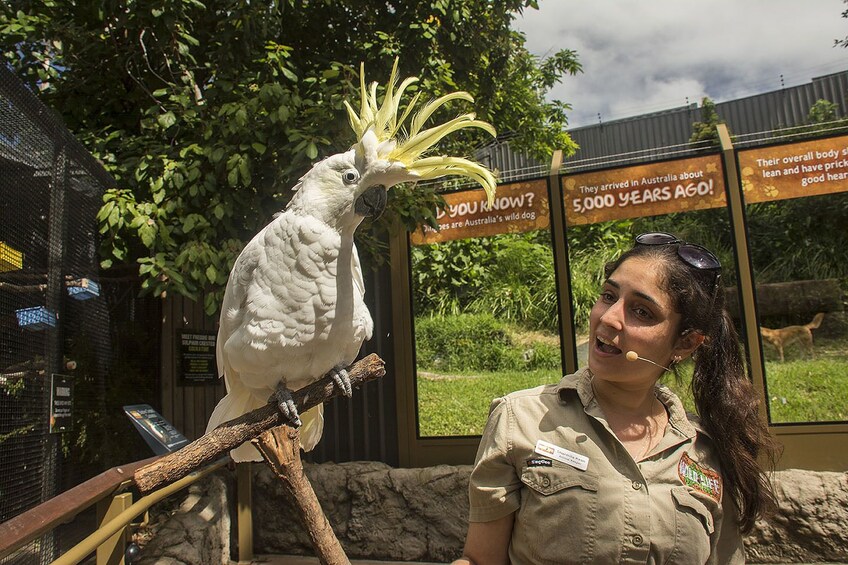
<point>561,266</point>
<point>56,234</point>
<point>747,301</point>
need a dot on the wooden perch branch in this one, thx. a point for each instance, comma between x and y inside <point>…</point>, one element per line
<point>230,435</point>
<point>280,447</point>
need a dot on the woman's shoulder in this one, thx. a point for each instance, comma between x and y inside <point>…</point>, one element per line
<point>557,391</point>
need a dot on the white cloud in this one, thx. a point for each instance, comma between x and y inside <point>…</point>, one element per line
<point>646,55</point>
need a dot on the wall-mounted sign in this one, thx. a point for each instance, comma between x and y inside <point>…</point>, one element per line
<point>807,168</point>
<point>518,207</point>
<point>197,357</point>
<point>644,190</point>
<point>159,434</point>
<point>61,403</point>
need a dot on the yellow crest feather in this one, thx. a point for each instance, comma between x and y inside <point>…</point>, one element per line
<point>382,119</point>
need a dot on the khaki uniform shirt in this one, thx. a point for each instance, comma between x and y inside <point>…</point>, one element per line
<point>585,500</point>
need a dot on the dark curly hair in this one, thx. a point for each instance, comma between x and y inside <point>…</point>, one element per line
<point>724,396</point>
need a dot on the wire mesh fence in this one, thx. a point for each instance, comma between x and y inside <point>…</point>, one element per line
<point>68,337</point>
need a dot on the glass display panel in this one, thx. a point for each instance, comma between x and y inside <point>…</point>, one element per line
<point>797,212</point>
<point>484,305</point>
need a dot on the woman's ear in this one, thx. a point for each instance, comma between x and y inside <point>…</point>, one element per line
<point>688,342</point>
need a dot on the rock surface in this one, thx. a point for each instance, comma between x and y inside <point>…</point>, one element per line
<point>811,524</point>
<point>376,511</point>
<point>379,512</point>
<point>190,528</point>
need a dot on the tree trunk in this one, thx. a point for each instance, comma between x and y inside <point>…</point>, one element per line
<point>792,300</point>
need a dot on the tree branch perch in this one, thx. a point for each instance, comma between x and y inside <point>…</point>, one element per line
<point>230,435</point>
<point>280,447</point>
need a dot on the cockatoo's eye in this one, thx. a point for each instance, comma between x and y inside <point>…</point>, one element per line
<point>350,176</point>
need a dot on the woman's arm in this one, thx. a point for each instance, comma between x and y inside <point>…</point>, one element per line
<point>487,543</point>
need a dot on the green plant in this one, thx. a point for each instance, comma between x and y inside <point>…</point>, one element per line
<point>447,276</point>
<point>464,342</point>
<point>207,113</point>
<point>804,390</point>
<point>480,342</point>
<point>706,130</point>
<point>520,284</point>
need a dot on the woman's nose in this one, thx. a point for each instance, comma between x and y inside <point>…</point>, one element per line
<point>614,315</point>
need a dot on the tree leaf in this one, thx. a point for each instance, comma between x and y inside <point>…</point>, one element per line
<point>166,120</point>
<point>311,150</point>
<point>288,74</point>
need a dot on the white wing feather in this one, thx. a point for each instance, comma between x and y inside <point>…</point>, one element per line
<point>289,314</point>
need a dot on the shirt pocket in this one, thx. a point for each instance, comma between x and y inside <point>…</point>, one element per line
<point>694,527</point>
<point>559,507</point>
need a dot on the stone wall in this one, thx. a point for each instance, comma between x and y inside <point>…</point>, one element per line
<point>383,513</point>
<point>192,527</point>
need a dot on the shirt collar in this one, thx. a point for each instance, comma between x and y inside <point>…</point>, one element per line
<point>581,382</point>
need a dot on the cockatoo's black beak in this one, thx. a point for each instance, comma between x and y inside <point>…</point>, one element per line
<point>372,202</point>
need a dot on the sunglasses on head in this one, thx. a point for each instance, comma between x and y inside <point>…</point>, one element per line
<point>693,255</point>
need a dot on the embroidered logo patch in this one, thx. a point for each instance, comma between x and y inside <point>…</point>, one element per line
<point>703,480</point>
<point>539,462</point>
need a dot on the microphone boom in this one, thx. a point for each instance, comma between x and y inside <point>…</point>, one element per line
<point>633,356</point>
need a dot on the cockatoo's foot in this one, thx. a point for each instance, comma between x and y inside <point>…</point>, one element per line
<point>287,407</point>
<point>342,380</point>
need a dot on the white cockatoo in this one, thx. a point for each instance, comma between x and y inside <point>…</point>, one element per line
<point>293,308</point>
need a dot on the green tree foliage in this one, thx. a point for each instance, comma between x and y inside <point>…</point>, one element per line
<point>821,112</point>
<point>706,130</point>
<point>207,112</point>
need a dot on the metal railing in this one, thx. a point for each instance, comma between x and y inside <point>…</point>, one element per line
<point>110,491</point>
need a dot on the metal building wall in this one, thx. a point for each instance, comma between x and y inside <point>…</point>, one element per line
<point>636,138</point>
<point>667,133</point>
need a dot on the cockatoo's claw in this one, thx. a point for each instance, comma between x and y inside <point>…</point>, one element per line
<point>342,380</point>
<point>287,406</point>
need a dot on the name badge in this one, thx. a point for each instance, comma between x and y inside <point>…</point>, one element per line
<point>562,455</point>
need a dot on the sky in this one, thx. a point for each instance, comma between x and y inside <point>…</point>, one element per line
<point>642,56</point>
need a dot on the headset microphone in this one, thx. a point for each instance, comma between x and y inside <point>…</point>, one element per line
<point>633,356</point>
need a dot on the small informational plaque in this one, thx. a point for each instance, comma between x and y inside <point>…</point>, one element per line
<point>159,434</point>
<point>61,403</point>
<point>197,357</point>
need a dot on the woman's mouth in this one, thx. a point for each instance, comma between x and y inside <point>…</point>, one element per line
<point>606,346</point>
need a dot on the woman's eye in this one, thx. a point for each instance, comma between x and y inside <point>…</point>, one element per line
<point>350,176</point>
<point>607,297</point>
<point>641,312</point>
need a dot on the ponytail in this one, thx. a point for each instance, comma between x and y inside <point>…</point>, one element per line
<point>729,412</point>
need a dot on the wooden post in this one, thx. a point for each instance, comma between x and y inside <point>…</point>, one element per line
<point>244,511</point>
<point>280,447</point>
<point>111,552</point>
